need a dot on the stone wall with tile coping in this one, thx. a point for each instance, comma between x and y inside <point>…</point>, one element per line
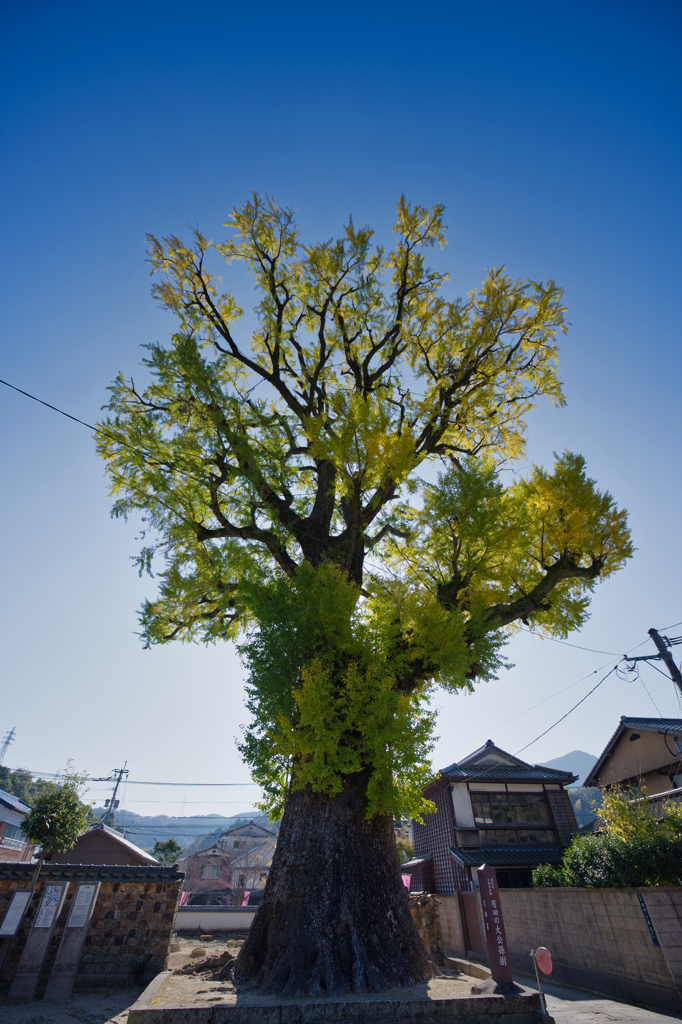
<point>133,920</point>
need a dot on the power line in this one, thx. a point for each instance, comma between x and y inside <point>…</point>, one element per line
<point>131,782</point>
<point>650,697</point>
<point>554,640</point>
<point>543,701</point>
<point>567,713</point>
<point>661,672</point>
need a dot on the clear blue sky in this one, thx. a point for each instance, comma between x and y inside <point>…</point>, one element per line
<point>552,134</point>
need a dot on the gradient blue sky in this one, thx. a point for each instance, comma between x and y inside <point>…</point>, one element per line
<point>552,134</point>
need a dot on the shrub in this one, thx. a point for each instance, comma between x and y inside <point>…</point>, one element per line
<point>633,848</point>
<point>547,876</point>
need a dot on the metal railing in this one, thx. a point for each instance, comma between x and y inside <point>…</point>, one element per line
<point>12,844</point>
<point>659,801</point>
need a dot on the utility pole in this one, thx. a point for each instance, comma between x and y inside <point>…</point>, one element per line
<point>113,803</point>
<point>9,738</point>
<point>663,643</point>
<point>666,656</point>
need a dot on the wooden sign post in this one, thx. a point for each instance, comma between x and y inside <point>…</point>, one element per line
<point>25,980</point>
<point>68,956</point>
<point>495,937</point>
<point>14,915</point>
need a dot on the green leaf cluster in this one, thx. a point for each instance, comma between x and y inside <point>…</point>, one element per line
<point>166,851</point>
<point>633,847</point>
<point>56,820</point>
<point>277,474</point>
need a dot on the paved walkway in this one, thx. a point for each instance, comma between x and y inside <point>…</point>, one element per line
<point>573,1006</point>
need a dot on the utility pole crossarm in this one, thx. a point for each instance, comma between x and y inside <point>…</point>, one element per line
<point>667,657</point>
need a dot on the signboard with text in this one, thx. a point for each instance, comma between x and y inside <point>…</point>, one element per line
<point>493,924</point>
<point>15,912</point>
<point>50,905</point>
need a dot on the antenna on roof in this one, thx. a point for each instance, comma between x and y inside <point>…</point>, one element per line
<point>9,738</point>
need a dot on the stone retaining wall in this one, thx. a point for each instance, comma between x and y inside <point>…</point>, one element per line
<point>132,923</point>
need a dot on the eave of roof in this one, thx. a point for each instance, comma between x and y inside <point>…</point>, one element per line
<point>14,803</point>
<point>101,827</point>
<point>659,725</point>
<point>238,830</point>
<point>507,773</point>
<point>504,856</point>
<point>490,748</point>
<point>92,872</point>
<point>416,862</point>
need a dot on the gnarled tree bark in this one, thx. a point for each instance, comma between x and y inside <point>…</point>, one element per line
<point>335,916</point>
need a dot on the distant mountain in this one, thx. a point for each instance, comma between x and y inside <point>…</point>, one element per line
<point>578,762</point>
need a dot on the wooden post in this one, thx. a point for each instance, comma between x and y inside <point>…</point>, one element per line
<point>68,956</point>
<point>25,980</point>
<point>495,936</point>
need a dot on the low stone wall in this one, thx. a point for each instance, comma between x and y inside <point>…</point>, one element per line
<point>132,923</point>
<point>425,912</point>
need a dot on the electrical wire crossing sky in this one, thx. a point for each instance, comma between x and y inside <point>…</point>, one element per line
<point>547,132</point>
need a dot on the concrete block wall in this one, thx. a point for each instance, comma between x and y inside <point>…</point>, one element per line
<point>600,939</point>
<point>452,925</point>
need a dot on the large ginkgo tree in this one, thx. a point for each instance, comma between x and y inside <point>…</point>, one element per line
<point>328,489</point>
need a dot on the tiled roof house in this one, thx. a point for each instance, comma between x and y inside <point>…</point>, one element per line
<point>492,808</point>
<point>642,752</point>
<point>13,845</point>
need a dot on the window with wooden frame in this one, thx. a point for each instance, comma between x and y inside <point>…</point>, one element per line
<point>498,816</point>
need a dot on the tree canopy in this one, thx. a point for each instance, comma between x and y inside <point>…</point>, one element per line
<point>58,816</point>
<point>166,851</point>
<point>328,487</point>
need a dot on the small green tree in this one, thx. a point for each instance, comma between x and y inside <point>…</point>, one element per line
<point>168,852</point>
<point>58,816</point>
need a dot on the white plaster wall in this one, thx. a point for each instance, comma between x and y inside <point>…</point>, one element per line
<point>207,920</point>
<point>461,803</point>
<point>11,817</point>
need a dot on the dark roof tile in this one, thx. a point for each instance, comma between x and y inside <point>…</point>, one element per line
<point>506,773</point>
<point>14,803</point>
<point>504,856</point>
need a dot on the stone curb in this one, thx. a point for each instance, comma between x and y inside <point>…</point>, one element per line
<point>469,967</point>
<point>522,1009</point>
<point>151,991</point>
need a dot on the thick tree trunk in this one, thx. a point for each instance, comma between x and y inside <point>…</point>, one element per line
<point>335,916</point>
